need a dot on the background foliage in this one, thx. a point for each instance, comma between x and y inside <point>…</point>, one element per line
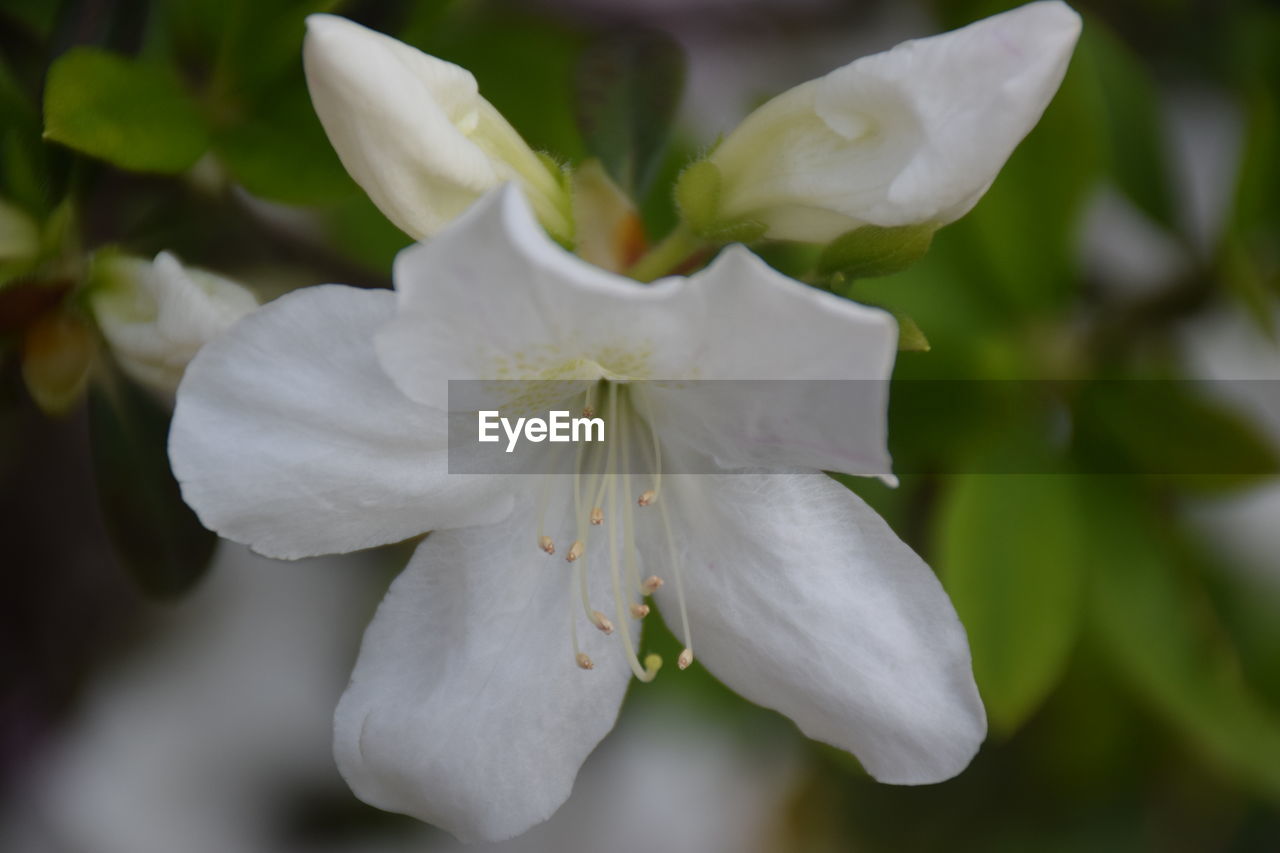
<point>1129,662</point>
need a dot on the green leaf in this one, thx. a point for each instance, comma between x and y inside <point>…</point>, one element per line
<point>1154,621</point>
<point>156,537</point>
<point>1133,135</point>
<point>872,251</point>
<point>284,156</point>
<point>1009,554</point>
<point>1167,430</point>
<point>628,86</point>
<point>131,114</point>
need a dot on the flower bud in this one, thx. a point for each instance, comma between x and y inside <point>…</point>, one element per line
<point>911,136</point>
<point>155,315</point>
<point>415,134</point>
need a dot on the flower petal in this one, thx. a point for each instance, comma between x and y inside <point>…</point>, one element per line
<point>809,373</point>
<point>802,599</point>
<point>466,708</point>
<point>288,437</point>
<point>912,135</point>
<point>492,297</point>
<point>413,130</point>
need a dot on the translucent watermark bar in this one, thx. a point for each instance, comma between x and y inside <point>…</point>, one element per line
<point>1135,427</point>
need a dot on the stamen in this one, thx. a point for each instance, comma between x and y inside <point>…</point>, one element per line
<point>601,621</point>
<point>645,673</point>
<point>639,611</point>
<point>545,543</point>
<point>657,451</point>
<point>675,568</point>
<point>575,550</point>
<point>652,584</point>
<point>597,516</point>
<point>584,662</point>
<point>685,659</point>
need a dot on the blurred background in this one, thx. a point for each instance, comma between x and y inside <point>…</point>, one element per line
<point>1115,556</point>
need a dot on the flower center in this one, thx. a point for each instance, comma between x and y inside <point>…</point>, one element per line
<point>604,503</point>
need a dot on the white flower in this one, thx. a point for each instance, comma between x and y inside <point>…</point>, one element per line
<point>318,425</point>
<point>414,132</point>
<point>157,314</point>
<point>914,135</point>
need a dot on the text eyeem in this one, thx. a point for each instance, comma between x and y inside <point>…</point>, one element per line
<point>557,426</point>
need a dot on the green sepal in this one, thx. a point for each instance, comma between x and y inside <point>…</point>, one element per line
<point>872,251</point>
<point>697,194</point>
<point>910,336</point>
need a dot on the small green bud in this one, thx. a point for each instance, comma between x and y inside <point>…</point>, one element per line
<point>872,251</point>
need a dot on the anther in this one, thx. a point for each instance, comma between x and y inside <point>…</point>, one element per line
<point>575,550</point>
<point>651,584</point>
<point>647,497</point>
<point>686,658</point>
<point>588,412</point>
<point>639,611</point>
<point>601,621</point>
<point>597,516</point>
<point>652,663</point>
<point>545,543</point>
<point>585,662</point>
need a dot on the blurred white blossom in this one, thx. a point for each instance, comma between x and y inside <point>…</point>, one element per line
<point>155,315</point>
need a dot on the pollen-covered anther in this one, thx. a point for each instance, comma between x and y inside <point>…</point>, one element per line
<point>588,412</point>
<point>647,497</point>
<point>651,584</point>
<point>575,550</point>
<point>652,663</point>
<point>685,659</point>
<point>585,662</point>
<point>601,621</point>
<point>545,543</point>
<point>639,611</point>
<point>597,516</point>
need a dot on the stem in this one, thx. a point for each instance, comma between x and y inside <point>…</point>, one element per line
<point>666,257</point>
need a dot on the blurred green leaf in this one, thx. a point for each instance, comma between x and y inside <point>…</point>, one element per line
<point>1008,549</point>
<point>156,537</point>
<point>1167,430</point>
<point>628,85</point>
<point>134,115</point>
<point>1162,635</point>
<point>1133,134</point>
<point>284,155</point>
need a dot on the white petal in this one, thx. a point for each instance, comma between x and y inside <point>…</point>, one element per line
<point>466,708</point>
<point>288,437</point>
<point>414,131</point>
<point>912,135</point>
<point>802,599</point>
<point>820,365</point>
<point>492,297</point>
